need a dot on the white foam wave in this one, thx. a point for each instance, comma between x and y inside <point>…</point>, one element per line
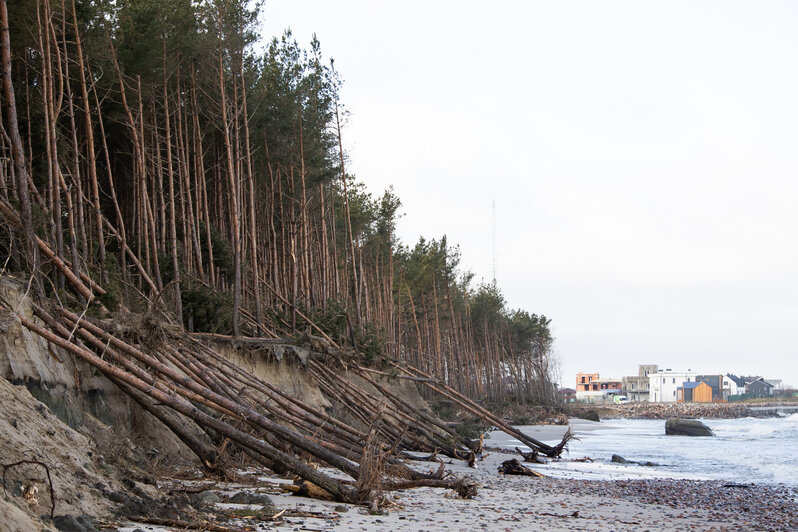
<point>727,456</point>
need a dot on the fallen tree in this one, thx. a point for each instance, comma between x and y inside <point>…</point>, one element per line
<point>199,395</point>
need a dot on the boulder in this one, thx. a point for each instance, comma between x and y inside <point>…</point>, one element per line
<point>686,427</point>
<point>204,498</point>
<point>243,497</point>
<point>70,523</point>
<point>618,459</point>
<point>589,415</point>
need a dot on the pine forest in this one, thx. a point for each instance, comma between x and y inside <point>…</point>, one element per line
<point>163,156</point>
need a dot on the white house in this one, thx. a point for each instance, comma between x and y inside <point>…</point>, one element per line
<point>730,387</point>
<point>663,384</point>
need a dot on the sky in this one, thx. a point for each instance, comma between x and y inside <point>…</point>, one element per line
<point>642,158</point>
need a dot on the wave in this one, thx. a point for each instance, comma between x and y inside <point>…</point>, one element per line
<point>758,428</point>
<point>763,430</point>
<point>728,456</point>
<point>780,473</point>
<point>792,418</point>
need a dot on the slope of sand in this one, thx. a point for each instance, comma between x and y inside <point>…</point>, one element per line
<point>30,431</point>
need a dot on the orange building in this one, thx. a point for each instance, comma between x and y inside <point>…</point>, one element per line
<point>585,382</point>
<point>609,384</point>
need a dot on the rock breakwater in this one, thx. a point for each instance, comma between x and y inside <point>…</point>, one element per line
<point>680,410</point>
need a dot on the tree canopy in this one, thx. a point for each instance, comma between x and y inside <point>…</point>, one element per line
<point>169,160</point>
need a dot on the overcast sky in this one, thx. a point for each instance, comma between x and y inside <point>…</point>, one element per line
<point>642,157</point>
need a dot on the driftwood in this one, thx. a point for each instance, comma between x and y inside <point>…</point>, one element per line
<point>465,488</point>
<point>307,489</point>
<point>531,456</point>
<point>182,524</point>
<point>514,467</point>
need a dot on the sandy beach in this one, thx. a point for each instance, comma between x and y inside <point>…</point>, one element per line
<point>512,503</point>
<point>526,503</point>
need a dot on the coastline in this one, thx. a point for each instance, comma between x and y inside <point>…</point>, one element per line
<point>515,503</point>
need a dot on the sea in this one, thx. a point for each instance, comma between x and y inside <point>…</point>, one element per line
<point>744,451</point>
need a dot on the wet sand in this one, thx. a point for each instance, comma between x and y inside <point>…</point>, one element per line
<point>527,503</point>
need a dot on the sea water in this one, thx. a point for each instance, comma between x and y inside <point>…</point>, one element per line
<point>747,450</point>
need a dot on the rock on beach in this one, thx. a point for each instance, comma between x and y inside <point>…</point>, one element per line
<point>687,427</point>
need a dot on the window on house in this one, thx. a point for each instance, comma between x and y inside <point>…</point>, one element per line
<point>647,386</point>
<point>663,380</point>
<point>633,386</point>
<point>674,380</point>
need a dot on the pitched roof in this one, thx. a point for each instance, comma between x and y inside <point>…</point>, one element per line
<point>691,385</point>
<point>739,381</point>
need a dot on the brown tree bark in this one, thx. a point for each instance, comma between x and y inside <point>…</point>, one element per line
<point>17,150</point>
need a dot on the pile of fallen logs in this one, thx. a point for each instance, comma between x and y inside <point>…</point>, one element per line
<point>209,402</point>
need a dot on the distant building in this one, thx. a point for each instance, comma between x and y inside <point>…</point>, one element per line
<point>756,386</point>
<point>776,384</point>
<point>636,388</point>
<point>730,387</point>
<point>664,383</point>
<point>568,395</point>
<point>584,382</point>
<point>759,388</point>
<point>694,392</point>
<point>716,383</point>
<point>589,387</point>
<point>739,382</point>
<point>613,386</point>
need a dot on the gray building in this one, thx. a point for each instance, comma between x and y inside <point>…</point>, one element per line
<point>636,388</point>
<point>716,383</point>
<point>759,388</point>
